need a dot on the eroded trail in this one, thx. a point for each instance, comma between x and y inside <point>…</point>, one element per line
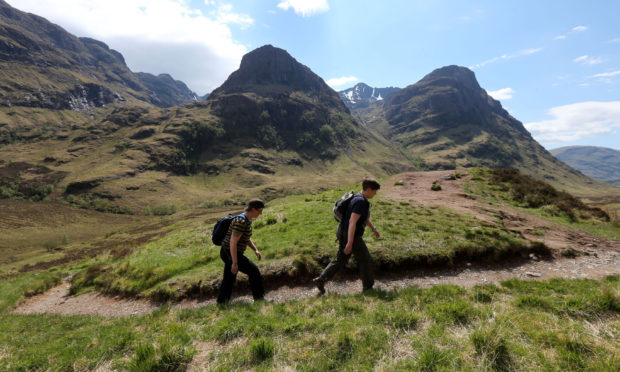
<point>595,257</point>
<point>58,301</point>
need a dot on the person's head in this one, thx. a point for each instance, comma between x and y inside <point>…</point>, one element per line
<point>370,187</point>
<point>254,208</point>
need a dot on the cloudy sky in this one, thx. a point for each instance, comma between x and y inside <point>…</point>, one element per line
<point>554,65</point>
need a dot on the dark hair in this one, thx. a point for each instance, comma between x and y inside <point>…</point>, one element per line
<point>370,183</point>
<point>254,204</point>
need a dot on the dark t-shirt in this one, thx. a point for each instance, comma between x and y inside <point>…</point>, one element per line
<point>360,206</point>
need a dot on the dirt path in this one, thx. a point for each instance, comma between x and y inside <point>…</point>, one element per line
<point>58,301</point>
<point>596,257</point>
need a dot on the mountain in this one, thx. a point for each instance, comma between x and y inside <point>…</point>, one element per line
<point>273,101</point>
<point>44,66</point>
<point>361,95</point>
<point>447,120</point>
<point>278,105</point>
<point>597,162</point>
<point>272,128</point>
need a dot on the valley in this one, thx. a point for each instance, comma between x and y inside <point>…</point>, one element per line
<point>494,254</point>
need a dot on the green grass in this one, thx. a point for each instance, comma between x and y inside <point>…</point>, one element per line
<point>443,328</point>
<point>296,236</point>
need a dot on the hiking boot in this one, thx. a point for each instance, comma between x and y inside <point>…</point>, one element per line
<point>319,284</point>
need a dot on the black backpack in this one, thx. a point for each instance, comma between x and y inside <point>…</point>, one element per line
<point>341,205</point>
<point>221,228</point>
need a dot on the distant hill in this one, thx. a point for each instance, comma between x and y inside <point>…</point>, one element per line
<point>42,65</point>
<point>362,95</point>
<point>597,162</point>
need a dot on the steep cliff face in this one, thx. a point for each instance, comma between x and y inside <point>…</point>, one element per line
<point>274,101</point>
<point>42,65</point>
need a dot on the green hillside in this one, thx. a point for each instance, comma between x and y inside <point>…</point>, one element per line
<point>597,162</point>
<point>273,128</point>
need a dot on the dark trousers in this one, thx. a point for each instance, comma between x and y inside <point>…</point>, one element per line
<point>362,256</point>
<point>245,266</point>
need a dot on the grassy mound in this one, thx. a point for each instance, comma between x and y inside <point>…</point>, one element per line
<point>508,186</point>
<point>296,236</point>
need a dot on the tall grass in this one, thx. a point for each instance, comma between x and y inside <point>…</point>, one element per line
<point>443,328</point>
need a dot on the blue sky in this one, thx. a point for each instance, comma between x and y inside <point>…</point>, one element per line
<point>554,65</point>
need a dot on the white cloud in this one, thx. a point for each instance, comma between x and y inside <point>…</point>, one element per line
<point>521,53</point>
<point>576,121</point>
<point>615,40</point>
<point>502,94</point>
<point>580,59</point>
<point>574,30</point>
<point>586,60</point>
<point>155,36</point>
<point>606,74</point>
<point>579,29</point>
<point>338,82</point>
<point>305,8</point>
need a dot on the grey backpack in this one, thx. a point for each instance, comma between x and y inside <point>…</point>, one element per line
<point>341,205</point>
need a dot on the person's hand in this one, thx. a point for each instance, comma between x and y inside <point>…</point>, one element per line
<point>377,235</point>
<point>348,248</point>
<point>258,254</point>
<point>234,269</point>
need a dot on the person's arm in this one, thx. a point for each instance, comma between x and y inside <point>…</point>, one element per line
<point>351,233</point>
<point>373,228</point>
<point>255,249</point>
<point>234,239</point>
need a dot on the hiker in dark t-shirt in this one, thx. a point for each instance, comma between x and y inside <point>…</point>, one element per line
<point>237,239</point>
<point>350,232</point>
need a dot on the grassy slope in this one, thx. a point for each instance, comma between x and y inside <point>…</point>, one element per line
<point>554,325</point>
<point>90,149</point>
<point>551,325</point>
<point>504,193</point>
<point>34,232</point>
<point>296,237</point>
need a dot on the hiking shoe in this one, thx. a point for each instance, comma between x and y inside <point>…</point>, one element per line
<point>319,284</point>
<point>367,289</point>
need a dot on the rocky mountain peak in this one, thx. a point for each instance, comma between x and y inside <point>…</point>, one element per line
<point>361,95</point>
<point>459,74</point>
<point>269,66</point>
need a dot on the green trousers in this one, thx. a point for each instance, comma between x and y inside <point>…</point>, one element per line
<point>362,256</point>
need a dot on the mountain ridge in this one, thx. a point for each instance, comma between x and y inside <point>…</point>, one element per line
<point>46,66</point>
